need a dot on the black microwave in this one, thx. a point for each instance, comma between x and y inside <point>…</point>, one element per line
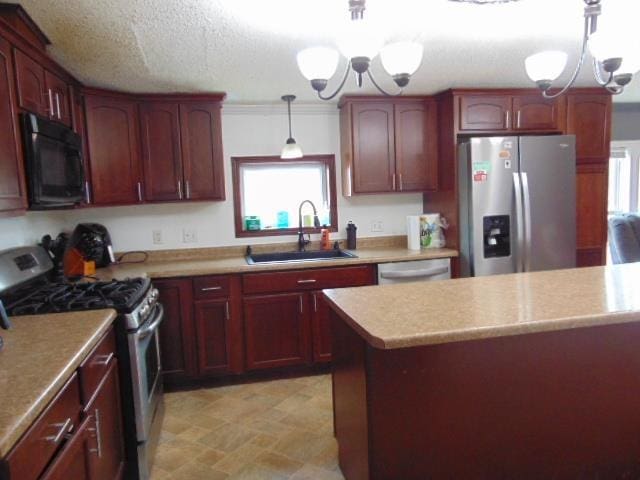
<point>53,155</point>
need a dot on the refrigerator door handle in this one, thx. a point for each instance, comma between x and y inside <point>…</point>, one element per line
<point>527,221</point>
<point>517,185</point>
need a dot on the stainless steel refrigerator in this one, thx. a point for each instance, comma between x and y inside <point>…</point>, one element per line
<point>517,204</point>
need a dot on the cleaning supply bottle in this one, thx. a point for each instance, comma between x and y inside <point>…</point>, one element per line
<point>351,235</point>
<point>325,239</point>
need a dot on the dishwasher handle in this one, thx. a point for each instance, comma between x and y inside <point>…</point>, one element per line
<point>427,272</point>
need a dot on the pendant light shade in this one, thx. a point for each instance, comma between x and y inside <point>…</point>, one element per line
<point>318,63</point>
<point>546,65</point>
<point>401,57</point>
<point>291,148</point>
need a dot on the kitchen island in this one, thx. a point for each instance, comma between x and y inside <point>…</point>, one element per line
<point>532,375</point>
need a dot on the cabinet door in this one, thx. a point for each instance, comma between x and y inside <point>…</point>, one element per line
<point>534,112</point>
<point>107,459</point>
<point>60,99</point>
<point>72,461</point>
<point>276,330</point>
<point>12,187</point>
<point>591,201</point>
<point>177,336</point>
<point>589,119</point>
<point>216,337</point>
<point>416,146</point>
<point>114,150</point>
<point>161,157</point>
<point>32,94</point>
<point>373,148</point>
<point>321,327</point>
<point>201,137</point>
<point>485,112</point>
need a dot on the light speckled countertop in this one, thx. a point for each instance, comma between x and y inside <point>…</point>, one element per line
<point>238,264</point>
<point>417,314</point>
<point>40,354</point>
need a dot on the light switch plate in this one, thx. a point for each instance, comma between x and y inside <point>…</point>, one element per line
<point>157,237</point>
<point>377,226</point>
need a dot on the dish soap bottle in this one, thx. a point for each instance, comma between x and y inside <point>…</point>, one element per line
<point>351,235</point>
<point>325,239</point>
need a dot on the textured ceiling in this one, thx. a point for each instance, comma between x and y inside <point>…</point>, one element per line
<point>247,48</point>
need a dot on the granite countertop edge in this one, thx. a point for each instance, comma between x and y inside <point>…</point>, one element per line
<point>22,424</point>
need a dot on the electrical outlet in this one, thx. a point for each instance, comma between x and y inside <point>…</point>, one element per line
<point>377,226</point>
<point>157,237</point>
<point>189,235</point>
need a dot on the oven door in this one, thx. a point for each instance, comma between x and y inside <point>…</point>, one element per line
<point>146,371</point>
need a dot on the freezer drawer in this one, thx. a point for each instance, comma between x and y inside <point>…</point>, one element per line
<point>416,271</point>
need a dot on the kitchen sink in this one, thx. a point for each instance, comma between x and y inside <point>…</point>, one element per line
<point>287,257</point>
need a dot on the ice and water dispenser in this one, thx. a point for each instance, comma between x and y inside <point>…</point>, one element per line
<point>497,242</point>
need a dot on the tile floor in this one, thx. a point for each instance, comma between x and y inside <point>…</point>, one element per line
<point>272,430</point>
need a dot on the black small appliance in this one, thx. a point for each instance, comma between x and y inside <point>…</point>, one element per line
<point>93,242</point>
<point>55,172</point>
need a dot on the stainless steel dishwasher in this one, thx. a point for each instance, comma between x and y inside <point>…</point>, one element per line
<point>414,271</point>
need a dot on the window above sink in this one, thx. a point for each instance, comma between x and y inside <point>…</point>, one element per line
<point>268,191</point>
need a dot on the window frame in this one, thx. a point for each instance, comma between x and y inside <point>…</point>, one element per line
<point>236,162</point>
<point>633,155</point>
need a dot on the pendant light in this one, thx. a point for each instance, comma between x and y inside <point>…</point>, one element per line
<point>291,148</point>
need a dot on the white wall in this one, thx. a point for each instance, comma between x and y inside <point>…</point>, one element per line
<point>247,130</point>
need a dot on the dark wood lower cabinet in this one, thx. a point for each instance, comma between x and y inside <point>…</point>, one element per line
<point>177,347</point>
<point>107,448</point>
<point>72,461</point>
<point>277,330</point>
<point>321,327</point>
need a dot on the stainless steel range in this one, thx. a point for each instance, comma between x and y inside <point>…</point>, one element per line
<point>26,289</point>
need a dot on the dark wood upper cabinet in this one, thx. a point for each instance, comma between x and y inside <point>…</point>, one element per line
<point>114,150</point>
<point>534,112</point>
<point>13,196</point>
<point>161,155</point>
<point>201,141</point>
<point>177,333</point>
<point>589,119</point>
<point>57,94</point>
<point>416,147</point>
<point>485,112</point>
<point>277,330</point>
<point>31,85</point>
<point>373,147</point>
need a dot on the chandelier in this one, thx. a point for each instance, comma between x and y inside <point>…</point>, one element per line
<point>610,69</point>
<point>400,60</point>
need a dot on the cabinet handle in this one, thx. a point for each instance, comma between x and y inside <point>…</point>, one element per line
<point>300,303</point>
<point>393,180</point>
<point>139,192</point>
<point>52,112</point>
<point>87,195</point>
<point>400,179</point>
<point>58,106</point>
<point>187,185</point>
<point>98,432</point>
<point>64,427</point>
<point>518,119</point>
<point>507,118</point>
<point>226,310</point>
<point>210,289</point>
<point>179,189</point>
<point>311,280</point>
<point>103,360</point>
<point>315,303</point>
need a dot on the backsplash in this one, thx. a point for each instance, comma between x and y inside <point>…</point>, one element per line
<point>247,130</point>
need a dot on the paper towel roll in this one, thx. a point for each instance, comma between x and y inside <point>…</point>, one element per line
<point>413,232</point>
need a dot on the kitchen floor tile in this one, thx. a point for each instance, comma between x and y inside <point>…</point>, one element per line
<point>273,430</point>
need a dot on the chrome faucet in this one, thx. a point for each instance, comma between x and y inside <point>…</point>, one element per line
<point>302,242</point>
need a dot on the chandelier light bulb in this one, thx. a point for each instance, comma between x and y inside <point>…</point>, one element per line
<point>401,58</point>
<point>546,66</point>
<point>317,63</point>
<point>605,45</point>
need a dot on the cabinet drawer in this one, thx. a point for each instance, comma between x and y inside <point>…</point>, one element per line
<point>297,280</point>
<point>210,287</point>
<point>95,366</point>
<point>36,448</point>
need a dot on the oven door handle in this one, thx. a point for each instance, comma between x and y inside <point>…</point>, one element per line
<point>153,326</point>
